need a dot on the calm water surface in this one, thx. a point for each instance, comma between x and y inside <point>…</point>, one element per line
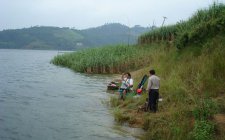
<point>40,101</point>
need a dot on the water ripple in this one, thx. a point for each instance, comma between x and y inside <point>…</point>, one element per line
<point>41,101</point>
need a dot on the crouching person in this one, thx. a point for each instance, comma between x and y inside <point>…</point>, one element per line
<point>126,86</point>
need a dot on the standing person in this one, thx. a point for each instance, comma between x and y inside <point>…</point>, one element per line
<point>153,90</point>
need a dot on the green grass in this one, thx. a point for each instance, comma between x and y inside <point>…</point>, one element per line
<point>114,59</point>
<point>205,23</point>
<point>192,87</point>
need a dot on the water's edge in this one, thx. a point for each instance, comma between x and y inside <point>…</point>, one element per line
<point>41,101</point>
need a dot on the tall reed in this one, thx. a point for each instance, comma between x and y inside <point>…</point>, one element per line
<point>111,59</point>
<point>204,23</point>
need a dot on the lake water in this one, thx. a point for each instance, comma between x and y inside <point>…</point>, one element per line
<point>40,101</point>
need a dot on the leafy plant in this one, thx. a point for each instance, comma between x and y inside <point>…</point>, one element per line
<point>203,130</point>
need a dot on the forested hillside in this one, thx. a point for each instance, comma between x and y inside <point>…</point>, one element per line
<point>69,39</point>
<point>112,34</point>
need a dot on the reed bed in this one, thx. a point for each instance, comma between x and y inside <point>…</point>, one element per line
<point>166,33</point>
<point>111,59</point>
<point>204,23</point>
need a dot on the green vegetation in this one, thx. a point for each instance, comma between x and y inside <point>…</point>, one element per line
<point>112,34</point>
<point>40,38</point>
<point>192,88</point>
<point>69,39</point>
<point>114,59</point>
<point>192,71</point>
<point>166,33</point>
<point>203,24</point>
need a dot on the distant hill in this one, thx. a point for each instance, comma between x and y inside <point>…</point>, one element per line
<point>55,38</point>
<point>112,34</point>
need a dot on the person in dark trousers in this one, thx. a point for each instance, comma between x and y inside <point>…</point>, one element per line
<point>153,91</point>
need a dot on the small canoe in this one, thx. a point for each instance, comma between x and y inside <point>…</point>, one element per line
<point>112,87</point>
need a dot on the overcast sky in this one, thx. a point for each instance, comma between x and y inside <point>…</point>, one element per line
<point>91,13</point>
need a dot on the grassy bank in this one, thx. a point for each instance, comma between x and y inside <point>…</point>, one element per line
<point>192,88</point>
<point>193,92</point>
<point>189,59</point>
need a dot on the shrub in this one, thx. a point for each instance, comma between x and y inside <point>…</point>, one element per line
<point>203,130</point>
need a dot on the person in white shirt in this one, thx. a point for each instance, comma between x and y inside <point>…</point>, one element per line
<point>126,86</point>
<point>153,90</point>
<point>130,82</point>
